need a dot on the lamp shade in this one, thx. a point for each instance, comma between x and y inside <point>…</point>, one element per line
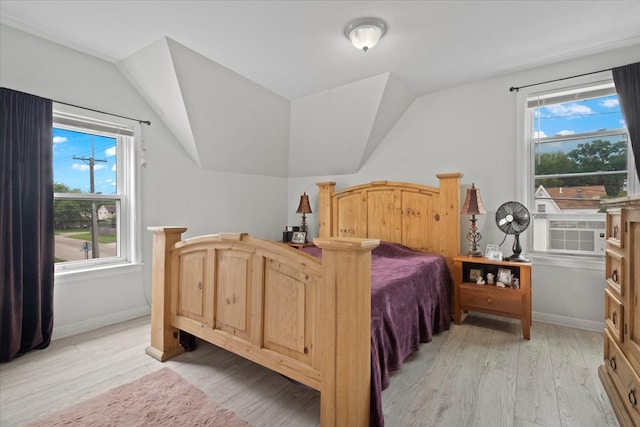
<point>473,202</point>
<point>304,207</point>
<point>365,33</point>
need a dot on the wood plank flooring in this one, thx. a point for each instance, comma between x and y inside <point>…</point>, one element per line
<point>481,373</point>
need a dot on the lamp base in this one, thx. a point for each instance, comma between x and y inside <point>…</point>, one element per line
<point>474,253</point>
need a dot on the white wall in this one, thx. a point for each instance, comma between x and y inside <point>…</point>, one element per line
<point>472,129</point>
<point>174,190</point>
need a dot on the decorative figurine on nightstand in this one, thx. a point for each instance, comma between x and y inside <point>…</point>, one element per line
<point>490,278</point>
<point>480,281</point>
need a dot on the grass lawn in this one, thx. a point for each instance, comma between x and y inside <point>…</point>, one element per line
<point>87,236</point>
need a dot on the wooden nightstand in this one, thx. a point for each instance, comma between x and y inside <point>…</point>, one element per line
<point>508,301</point>
<point>299,245</point>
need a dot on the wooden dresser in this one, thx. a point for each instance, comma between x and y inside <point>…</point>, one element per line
<point>620,373</point>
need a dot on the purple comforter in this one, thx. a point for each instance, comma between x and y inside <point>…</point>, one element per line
<point>410,293</point>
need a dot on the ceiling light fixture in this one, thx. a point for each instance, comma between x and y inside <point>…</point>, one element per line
<point>365,33</point>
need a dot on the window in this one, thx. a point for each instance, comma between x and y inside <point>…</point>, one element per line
<point>579,153</point>
<point>94,178</point>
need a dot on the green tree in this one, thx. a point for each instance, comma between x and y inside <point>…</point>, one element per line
<point>597,155</point>
<point>67,213</point>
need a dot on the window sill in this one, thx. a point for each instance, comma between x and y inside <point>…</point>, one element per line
<point>68,276</point>
<point>567,261</point>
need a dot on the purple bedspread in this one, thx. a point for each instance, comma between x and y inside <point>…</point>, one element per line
<point>410,294</point>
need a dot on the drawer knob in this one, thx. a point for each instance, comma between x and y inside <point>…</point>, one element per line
<point>614,275</point>
<point>612,363</point>
<point>489,300</point>
<point>633,399</point>
<point>616,230</point>
<point>614,318</point>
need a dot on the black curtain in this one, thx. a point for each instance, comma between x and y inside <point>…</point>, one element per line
<point>26,223</point>
<point>627,81</point>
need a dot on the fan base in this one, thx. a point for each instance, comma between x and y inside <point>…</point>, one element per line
<point>517,258</point>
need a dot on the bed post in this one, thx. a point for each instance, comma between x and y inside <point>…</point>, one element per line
<point>165,339</point>
<point>345,332</point>
<point>325,225</point>
<point>449,210</point>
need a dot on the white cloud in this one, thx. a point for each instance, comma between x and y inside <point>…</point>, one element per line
<point>568,110</point>
<point>80,167</point>
<point>85,167</point>
<point>565,132</point>
<point>622,123</point>
<point>110,152</point>
<point>113,168</point>
<point>539,134</point>
<point>610,103</point>
<point>59,139</point>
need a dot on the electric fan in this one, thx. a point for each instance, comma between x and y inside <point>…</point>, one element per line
<point>513,218</point>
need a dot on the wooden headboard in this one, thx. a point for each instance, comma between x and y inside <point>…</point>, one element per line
<point>417,216</point>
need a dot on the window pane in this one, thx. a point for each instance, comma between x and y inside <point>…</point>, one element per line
<point>579,153</point>
<point>74,225</point>
<point>76,155</point>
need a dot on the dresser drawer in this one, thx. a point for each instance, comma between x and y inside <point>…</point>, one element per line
<point>491,298</point>
<point>614,228</point>
<point>626,381</point>
<point>613,315</point>
<point>614,272</point>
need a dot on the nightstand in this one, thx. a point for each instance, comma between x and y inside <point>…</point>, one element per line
<point>299,245</point>
<point>512,301</point>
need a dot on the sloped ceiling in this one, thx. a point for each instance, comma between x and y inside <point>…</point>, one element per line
<point>226,122</point>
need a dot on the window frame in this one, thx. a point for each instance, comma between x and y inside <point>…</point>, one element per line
<point>128,135</point>
<point>525,178</point>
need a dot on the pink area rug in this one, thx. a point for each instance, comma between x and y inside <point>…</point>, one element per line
<point>162,398</point>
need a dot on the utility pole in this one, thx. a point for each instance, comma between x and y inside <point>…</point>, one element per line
<point>95,250</point>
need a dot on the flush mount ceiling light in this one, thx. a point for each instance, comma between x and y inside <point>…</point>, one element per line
<point>365,33</point>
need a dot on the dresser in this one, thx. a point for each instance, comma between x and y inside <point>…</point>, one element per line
<point>620,373</point>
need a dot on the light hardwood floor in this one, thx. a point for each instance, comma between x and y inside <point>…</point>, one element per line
<point>480,373</point>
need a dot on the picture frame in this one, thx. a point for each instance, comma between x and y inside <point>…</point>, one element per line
<point>494,256</point>
<point>475,274</point>
<point>504,275</point>
<point>491,248</point>
<point>299,237</point>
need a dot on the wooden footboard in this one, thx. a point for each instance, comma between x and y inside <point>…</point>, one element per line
<point>274,305</point>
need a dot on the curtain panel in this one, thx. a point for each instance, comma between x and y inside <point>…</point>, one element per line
<point>26,223</point>
<point>627,81</point>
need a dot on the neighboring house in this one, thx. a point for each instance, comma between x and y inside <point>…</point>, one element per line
<point>581,199</point>
<point>106,212</point>
<point>566,220</point>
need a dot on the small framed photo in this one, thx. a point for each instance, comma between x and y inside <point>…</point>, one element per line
<point>491,248</point>
<point>504,276</point>
<point>494,256</point>
<point>299,237</point>
<point>475,274</point>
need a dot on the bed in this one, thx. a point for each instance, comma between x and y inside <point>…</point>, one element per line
<point>308,315</point>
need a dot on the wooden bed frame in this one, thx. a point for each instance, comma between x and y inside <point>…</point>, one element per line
<point>307,319</point>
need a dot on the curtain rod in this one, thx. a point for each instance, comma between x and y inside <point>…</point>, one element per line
<point>516,89</point>
<point>146,122</point>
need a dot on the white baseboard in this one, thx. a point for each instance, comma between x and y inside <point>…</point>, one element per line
<point>571,322</point>
<point>98,322</point>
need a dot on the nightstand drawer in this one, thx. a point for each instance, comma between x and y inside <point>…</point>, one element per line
<point>491,298</point>
<point>624,377</point>
<point>613,314</point>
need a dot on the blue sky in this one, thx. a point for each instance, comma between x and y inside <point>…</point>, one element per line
<point>74,173</point>
<point>577,117</point>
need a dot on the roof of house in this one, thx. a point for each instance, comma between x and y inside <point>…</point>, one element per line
<point>581,197</point>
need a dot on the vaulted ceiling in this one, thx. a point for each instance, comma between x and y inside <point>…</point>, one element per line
<point>279,77</point>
